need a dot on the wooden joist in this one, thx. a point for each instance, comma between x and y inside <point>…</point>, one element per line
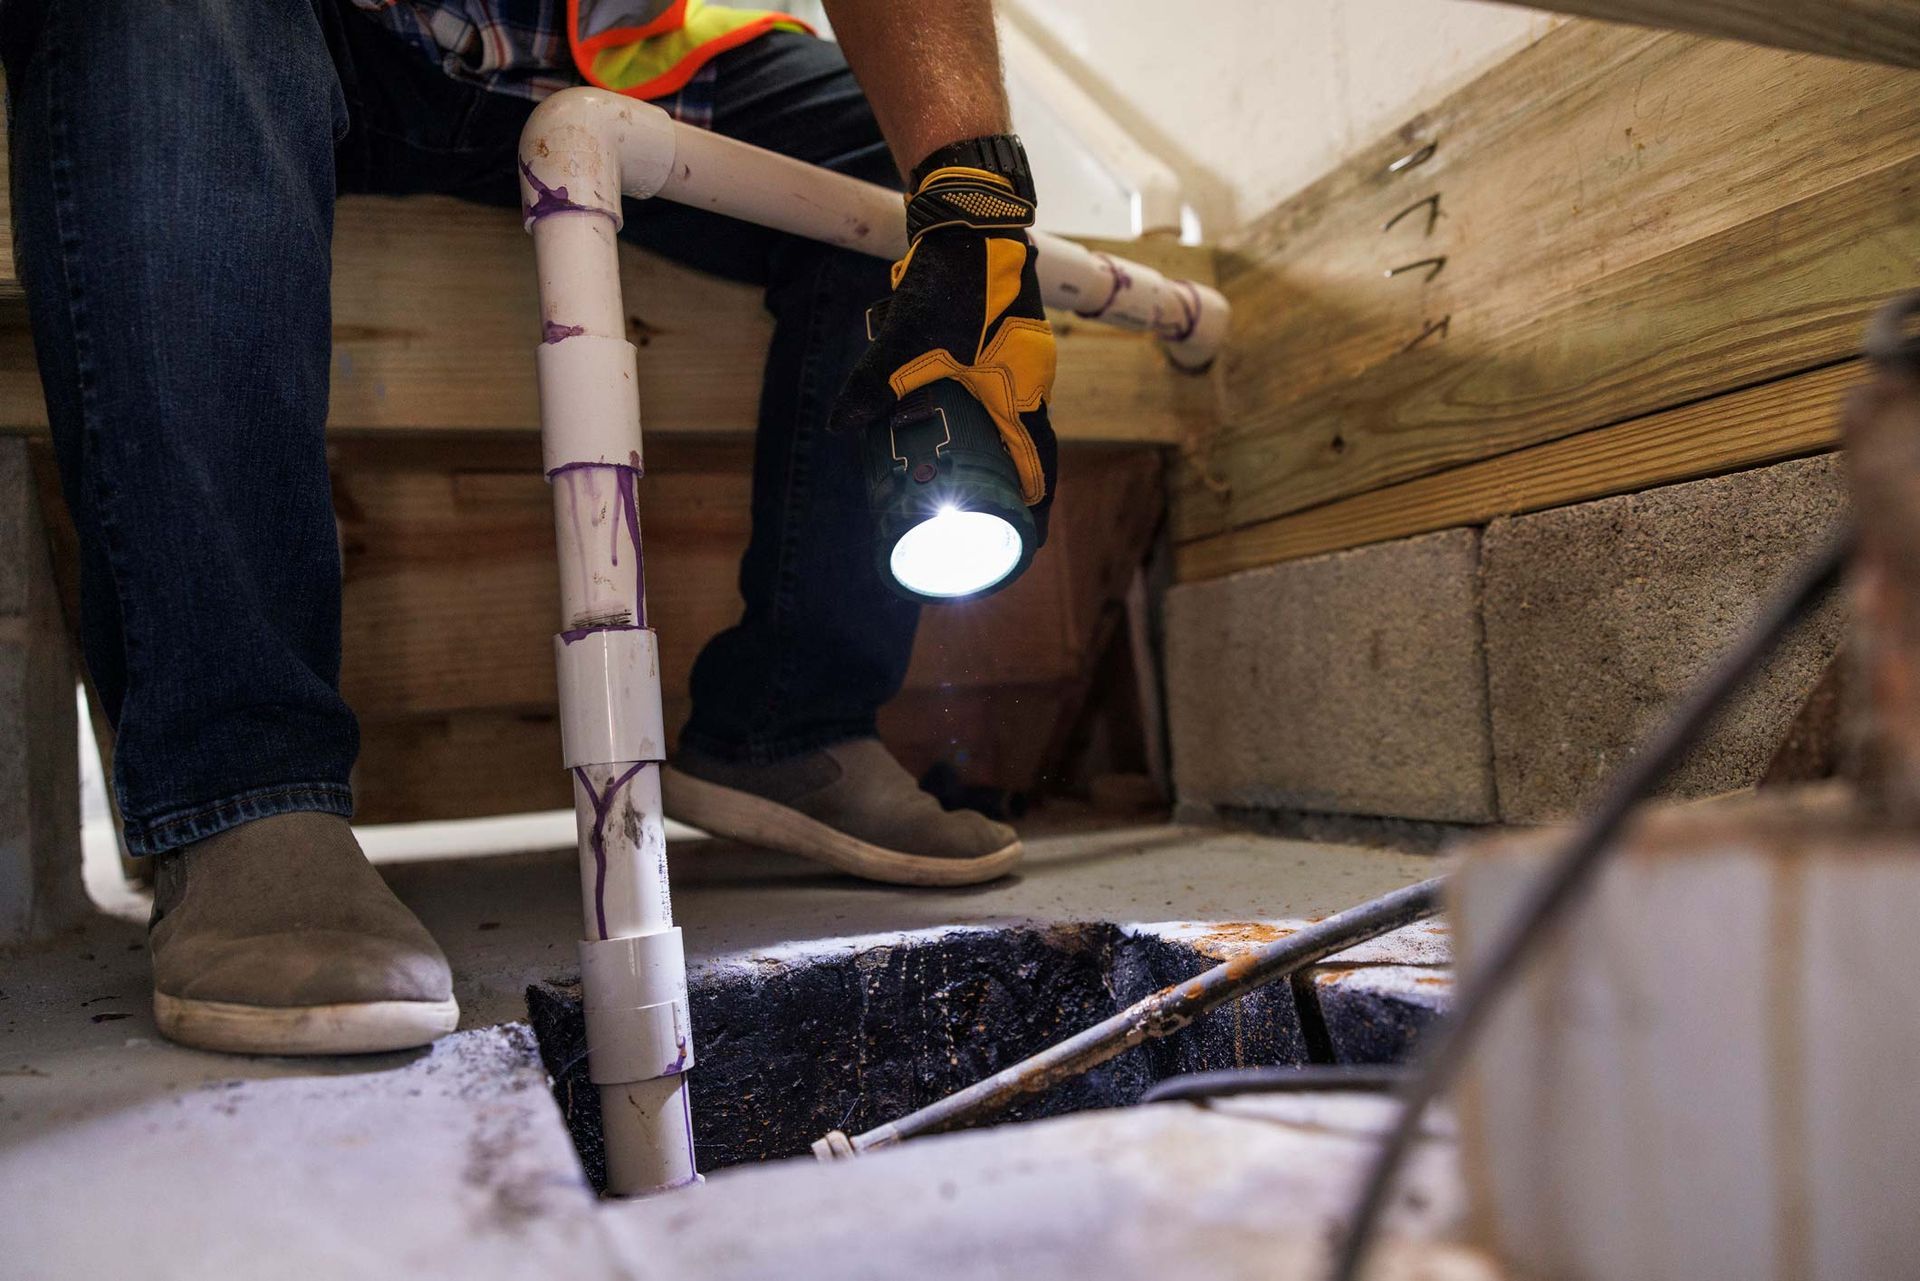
<point>1867,30</point>
<point>1786,419</point>
<point>450,603</point>
<point>435,321</point>
<point>1630,221</point>
<point>449,593</point>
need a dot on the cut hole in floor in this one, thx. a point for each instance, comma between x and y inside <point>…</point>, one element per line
<point>858,1032</point>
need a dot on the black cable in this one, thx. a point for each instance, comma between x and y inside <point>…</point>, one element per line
<point>1559,889</point>
<point>1371,1078</point>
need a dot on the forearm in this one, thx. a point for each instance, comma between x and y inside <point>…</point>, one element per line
<point>930,68</point>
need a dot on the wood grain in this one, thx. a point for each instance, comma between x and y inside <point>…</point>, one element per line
<point>450,601</point>
<point>1785,419</point>
<point>449,606</point>
<point>1630,221</point>
<point>466,765</point>
<point>435,323</point>
<point>1869,30</point>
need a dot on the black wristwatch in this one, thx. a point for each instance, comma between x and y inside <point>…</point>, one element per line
<point>999,153</point>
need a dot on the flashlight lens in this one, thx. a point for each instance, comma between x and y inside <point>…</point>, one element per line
<point>955,553</point>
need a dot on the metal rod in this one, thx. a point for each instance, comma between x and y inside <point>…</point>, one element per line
<point>1161,1014</point>
<point>1559,888</point>
<point>1376,1078</point>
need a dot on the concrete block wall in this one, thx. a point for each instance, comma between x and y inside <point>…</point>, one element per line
<point>1599,617</point>
<point>1350,683</point>
<point>1497,675</point>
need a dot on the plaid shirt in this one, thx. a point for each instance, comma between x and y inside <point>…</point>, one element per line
<point>513,46</point>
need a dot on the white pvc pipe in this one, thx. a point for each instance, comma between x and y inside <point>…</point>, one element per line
<point>591,138</point>
<point>580,152</point>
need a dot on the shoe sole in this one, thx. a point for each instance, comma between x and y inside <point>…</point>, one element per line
<point>755,820</point>
<point>360,1027</point>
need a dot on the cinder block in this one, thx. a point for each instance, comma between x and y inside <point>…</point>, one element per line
<point>1350,683</point>
<point>1600,616</point>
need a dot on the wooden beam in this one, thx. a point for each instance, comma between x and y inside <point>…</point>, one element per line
<point>434,326</point>
<point>449,599</point>
<point>40,888</point>
<point>449,608</point>
<point>1785,419</point>
<point>1629,221</point>
<point>1864,30</point>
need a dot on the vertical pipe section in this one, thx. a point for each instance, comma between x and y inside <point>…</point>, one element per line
<point>581,150</point>
<point>632,961</point>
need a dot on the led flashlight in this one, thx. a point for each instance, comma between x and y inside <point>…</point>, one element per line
<point>948,518</point>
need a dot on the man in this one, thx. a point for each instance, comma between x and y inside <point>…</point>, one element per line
<point>174,172</point>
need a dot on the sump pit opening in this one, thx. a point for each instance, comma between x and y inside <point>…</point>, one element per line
<point>852,1033</point>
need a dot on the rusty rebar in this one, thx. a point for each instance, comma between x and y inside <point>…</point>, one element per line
<point>1163,1013</point>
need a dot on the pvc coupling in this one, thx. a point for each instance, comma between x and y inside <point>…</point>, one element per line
<point>610,697</point>
<point>635,995</point>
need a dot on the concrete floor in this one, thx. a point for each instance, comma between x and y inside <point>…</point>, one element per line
<point>121,1155</point>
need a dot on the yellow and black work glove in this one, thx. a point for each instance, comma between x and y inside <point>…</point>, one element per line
<point>966,306</point>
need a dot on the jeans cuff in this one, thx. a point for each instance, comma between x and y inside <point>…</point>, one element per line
<point>769,751</point>
<point>168,831</point>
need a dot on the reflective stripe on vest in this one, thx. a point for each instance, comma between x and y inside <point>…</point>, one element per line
<point>650,48</point>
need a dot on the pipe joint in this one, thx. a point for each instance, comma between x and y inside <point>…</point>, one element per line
<point>588,401</point>
<point>610,697</point>
<point>583,149</point>
<point>634,991</point>
<point>1204,316</point>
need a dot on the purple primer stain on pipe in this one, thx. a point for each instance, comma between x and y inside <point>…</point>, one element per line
<point>549,200</point>
<point>597,839</point>
<point>679,1064</point>
<point>573,634</point>
<point>624,478</point>
<point>1189,314</point>
<point>1121,280</point>
<point>625,509</point>
<point>553,331</point>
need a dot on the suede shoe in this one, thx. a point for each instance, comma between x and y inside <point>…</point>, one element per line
<point>278,937</point>
<point>850,806</point>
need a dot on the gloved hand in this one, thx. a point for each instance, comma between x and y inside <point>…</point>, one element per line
<point>966,306</point>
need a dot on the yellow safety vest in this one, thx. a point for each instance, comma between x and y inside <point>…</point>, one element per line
<point>651,48</point>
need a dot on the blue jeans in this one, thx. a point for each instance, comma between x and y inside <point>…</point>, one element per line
<point>174,171</point>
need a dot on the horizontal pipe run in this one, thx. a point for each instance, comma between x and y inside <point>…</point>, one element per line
<point>1163,1013</point>
<point>584,147</point>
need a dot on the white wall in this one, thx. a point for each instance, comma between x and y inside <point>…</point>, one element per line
<point>1250,100</point>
